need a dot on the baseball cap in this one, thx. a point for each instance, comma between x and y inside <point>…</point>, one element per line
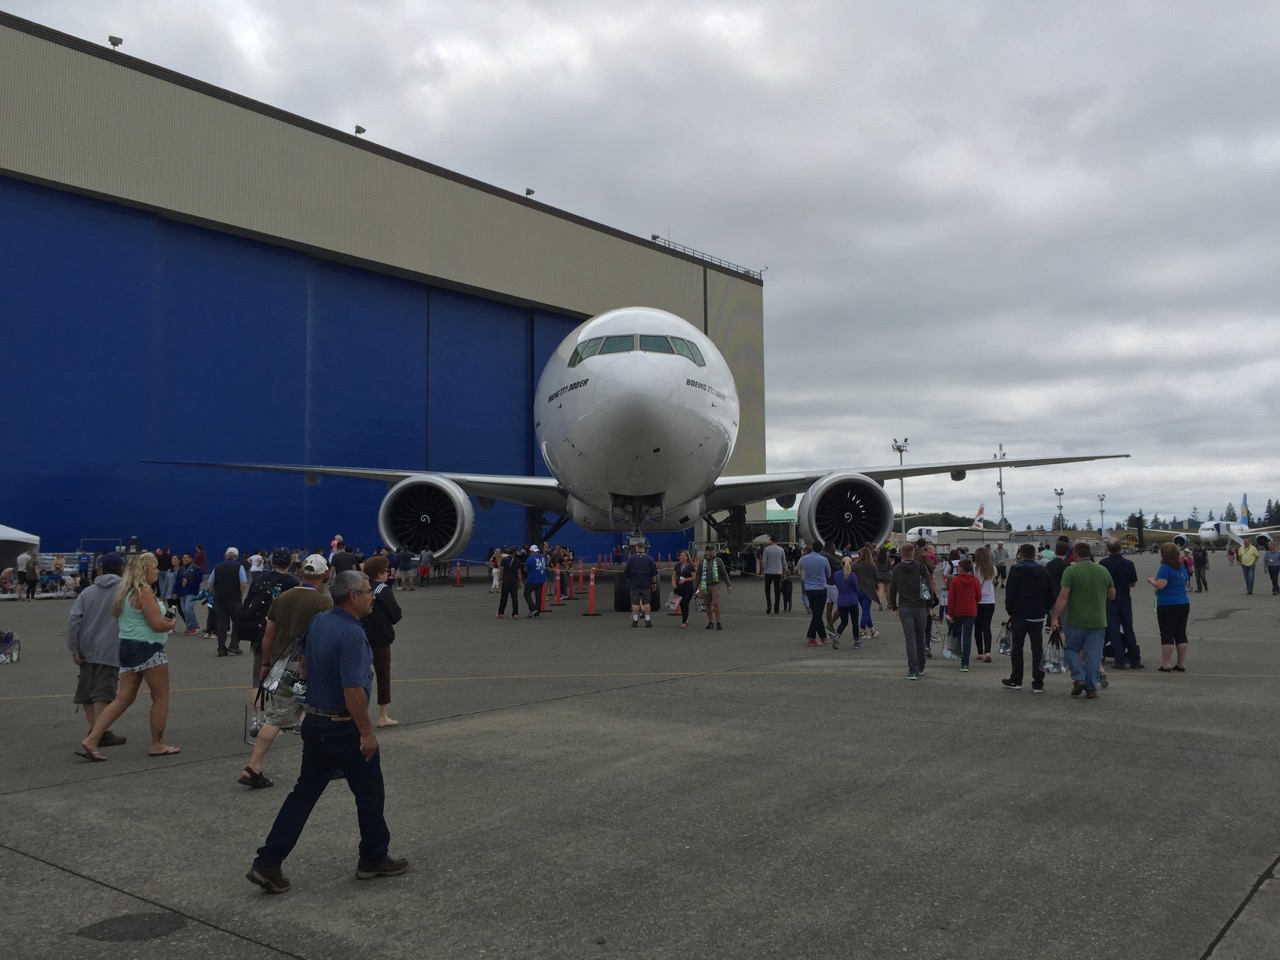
<point>280,558</point>
<point>111,563</point>
<point>315,565</point>
<point>533,548</point>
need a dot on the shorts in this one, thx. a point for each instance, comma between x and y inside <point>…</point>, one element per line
<point>98,683</point>
<point>283,712</point>
<point>138,655</point>
<point>640,596</point>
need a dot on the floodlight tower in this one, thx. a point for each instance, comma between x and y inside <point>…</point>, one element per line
<point>998,456</point>
<point>1102,513</point>
<point>902,495</point>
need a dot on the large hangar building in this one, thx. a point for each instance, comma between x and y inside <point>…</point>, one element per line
<point>190,275</point>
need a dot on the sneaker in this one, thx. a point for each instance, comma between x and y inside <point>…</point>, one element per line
<point>269,879</point>
<point>913,676</point>
<point>235,651</point>
<point>189,633</point>
<point>387,868</point>
<point>1138,666</point>
<point>255,779</point>
<point>875,633</point>
<point>1037,689</point>
<point>813,643</point>
<point>1077,688</point>
<point>1102,681</point>
<point>857,645</point>
<point>719,625</point>
<point>635,623</point>
<point>963,668</point>
<point>1010,685</point>
<point>255,728</point>
<point>1119,665</point>
<point>711,626</point>
<point>648,623</point>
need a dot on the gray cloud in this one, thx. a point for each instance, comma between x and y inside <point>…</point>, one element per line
<point>1055,229</point>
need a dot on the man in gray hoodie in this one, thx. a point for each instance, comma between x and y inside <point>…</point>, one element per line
<point>93,638</point>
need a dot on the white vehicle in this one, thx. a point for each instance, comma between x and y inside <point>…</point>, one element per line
<point>931,533</point>
<point>636,415</point>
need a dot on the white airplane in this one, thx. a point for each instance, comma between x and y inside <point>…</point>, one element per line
<point>1215,530</point>
<point>931,533</point>
<point>636,416</point>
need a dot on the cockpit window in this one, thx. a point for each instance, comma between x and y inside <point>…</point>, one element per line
<point>618,344</point>
<point>588,348</point>
<point>653,344</point>
<point>687,349</point>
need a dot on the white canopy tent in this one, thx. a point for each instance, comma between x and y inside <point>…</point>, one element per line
<point>14,542</point>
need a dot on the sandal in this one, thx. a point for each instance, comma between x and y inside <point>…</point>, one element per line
<point>1177,669</point>
<point>91,755</point>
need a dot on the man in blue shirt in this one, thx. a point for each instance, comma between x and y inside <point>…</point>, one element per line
<point>190,577</point>
<point>642,577</point>
<point>336,735</point>
<point>815,574</point>
<point>535,579</point>
<point>1124,645</point>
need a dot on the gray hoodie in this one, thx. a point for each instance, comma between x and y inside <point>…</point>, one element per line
<point>92,631</point>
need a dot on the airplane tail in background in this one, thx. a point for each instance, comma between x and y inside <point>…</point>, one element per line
<point>1245,516</point>
<point>977,521</point>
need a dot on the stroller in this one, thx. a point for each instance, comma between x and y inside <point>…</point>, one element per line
<point>10,647</point>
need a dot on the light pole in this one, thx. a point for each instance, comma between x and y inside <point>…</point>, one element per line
<point>1058,521</point>
<point>902,494</point>
<point>1102,513</point>
<point>1000,455</point>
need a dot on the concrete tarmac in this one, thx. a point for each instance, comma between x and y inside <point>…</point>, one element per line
<point>571,787</point>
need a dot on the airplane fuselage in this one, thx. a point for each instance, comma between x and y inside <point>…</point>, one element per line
<point>636,415</point>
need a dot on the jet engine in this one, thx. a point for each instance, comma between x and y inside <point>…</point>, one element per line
<point>847,509</point>
<point>427,511</point>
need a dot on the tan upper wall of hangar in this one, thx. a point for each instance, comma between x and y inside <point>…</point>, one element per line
<point>87,119</point>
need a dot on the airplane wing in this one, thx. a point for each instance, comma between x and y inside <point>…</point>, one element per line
<point>542,493</point>
<point>732,491</point>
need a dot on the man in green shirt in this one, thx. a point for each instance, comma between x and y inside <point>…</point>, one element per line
<point>1086,588</point>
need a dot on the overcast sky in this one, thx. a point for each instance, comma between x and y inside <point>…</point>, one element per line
<point>1055,227</point>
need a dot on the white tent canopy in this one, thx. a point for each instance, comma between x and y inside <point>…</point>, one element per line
<point>14,542</point>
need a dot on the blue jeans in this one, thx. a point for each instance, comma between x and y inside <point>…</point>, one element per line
<point>817,604</point>
<point>864,602</point>
<point>1124,645</point>
<point>329,745</point>
<point>1248,578</point>
<point>1087,641</point>
<point>964,626</point>
<point>188,604</point>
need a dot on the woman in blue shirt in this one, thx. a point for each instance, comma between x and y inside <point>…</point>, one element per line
<point>1172,608</point>
<point>846,600</point>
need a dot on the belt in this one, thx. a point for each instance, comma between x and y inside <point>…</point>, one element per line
<point>329,714</point>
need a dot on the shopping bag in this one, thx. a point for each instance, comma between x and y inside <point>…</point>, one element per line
<point>1055,660</point>
<point>1005,640</point>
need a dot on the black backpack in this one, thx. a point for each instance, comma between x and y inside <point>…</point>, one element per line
<point>251,621</point>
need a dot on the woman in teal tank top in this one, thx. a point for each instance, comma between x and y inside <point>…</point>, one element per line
<point>144,627</point>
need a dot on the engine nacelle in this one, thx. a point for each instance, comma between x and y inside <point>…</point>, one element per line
<point>427,511</point>
<point>847,509</point>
